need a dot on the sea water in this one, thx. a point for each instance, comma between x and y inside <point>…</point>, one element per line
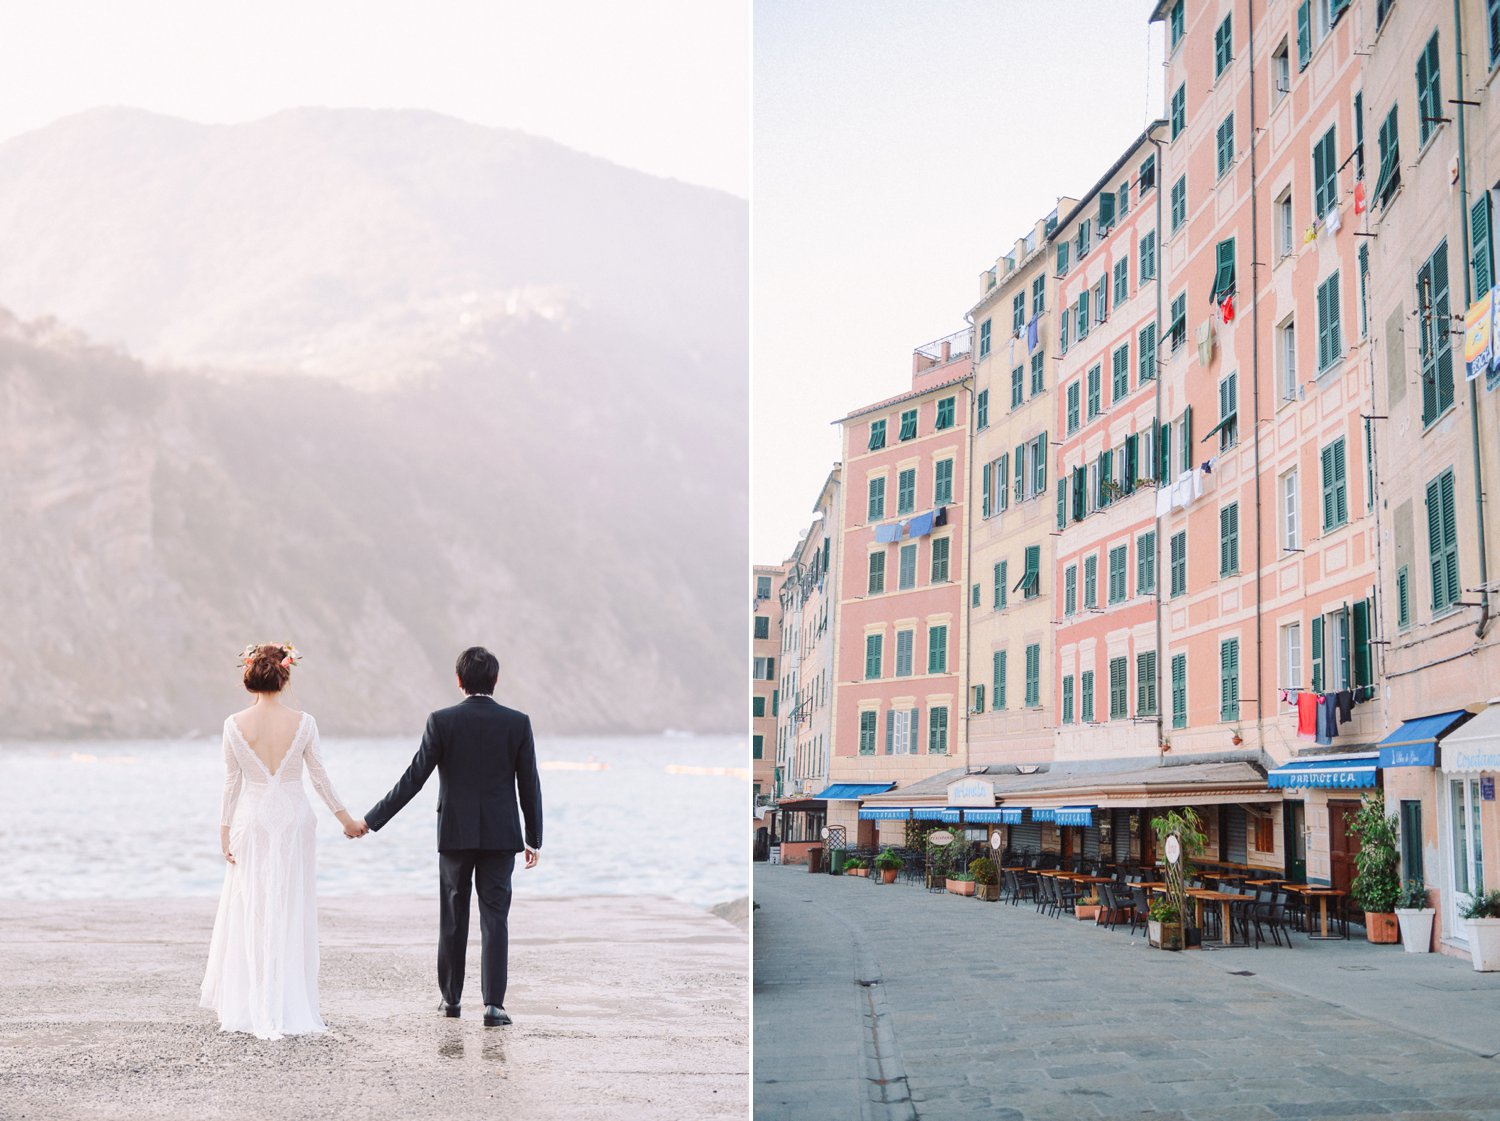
<point>140,819</point>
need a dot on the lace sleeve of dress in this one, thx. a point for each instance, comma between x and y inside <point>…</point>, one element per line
<point>317,772</point>
<point>233,779</point>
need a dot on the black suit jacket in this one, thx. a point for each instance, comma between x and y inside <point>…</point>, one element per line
<point>486,761</point>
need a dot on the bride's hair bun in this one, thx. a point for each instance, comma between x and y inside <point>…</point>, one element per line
<point>268,666</point>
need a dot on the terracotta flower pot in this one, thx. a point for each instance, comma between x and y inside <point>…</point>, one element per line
<point>888,875</point>
<point>961,887</point>
<point>1086,912</point>
<point>1381,927</point>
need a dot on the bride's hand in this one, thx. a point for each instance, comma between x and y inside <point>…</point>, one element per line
<point>352,828</point>
<point>224,844</point>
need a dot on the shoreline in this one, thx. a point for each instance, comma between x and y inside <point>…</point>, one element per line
<point>626,1007</point>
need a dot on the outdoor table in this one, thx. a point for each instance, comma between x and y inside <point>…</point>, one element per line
<point>1322,895</point>
<point>1082,879</point>
<point>1264,883</point>
<point>1224,899</point>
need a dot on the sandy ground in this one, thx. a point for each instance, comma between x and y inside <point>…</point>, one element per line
<point>625,1008</point>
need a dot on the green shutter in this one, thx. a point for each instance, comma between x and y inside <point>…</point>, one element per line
<point>937,649</point>
<point>872,656</point>
<point>1363,663</point>
<point>978,699</point>
<point>1033,675</point>
<point>1033,585</point>
<point>1062,502</point>
<point>1020,472</point>
<point>1229,680</point>
<point>1403,598</point>
<point>1164,452</point>
<point>1086,700</point>
<point>998,684</point>
<point>1132,462</point>
<point>1317,654</point>
<point>1179,690</point>
<point>1304,34</point>
<point>1067,699</point>
<point>1479,238</point>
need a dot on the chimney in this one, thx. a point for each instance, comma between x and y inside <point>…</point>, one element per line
<point>947,350</point>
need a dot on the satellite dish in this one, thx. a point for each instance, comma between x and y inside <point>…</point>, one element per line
<point>941,837</point>
<point>995,841</point>
<point>1173,849</point>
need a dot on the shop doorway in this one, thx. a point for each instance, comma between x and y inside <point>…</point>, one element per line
<point>1294,839</point>
<point>1342,845</point>
<point>1465,847</point>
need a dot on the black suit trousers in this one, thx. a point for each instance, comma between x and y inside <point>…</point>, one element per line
<point>460,872</point>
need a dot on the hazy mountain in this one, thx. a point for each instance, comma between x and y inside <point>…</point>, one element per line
<point>409,384</point>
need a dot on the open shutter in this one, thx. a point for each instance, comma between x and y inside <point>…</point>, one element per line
<point>1020,472</point>
<point>1317,654</point>
<point>890,731</point>
<point>1435,542</point>
<point>1062,503</point>
<point>1132,464</point>
<point>984,493</point>
<point>1080,493</point>
<point>1362,661</point>
<point>1164,453</point>
<point>1304,34</point>
<point>1441,329</point>
<point>913,742</point>
<point>1187,437</point>
<point>1450,536</point>
<point>1479,237</point>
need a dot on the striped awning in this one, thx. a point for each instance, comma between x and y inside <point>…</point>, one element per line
<point>1049,814</point>
<point>885,813</point>
<point>1002,815</point>
<point>1075,815</point>
<point>1345,772</point>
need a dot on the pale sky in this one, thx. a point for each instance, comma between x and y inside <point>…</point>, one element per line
<point>900,148</point>
<point>657,85</point>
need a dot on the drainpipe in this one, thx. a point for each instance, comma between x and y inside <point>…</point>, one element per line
<point>1260,689</point>
<point>965,637</point>
<point>1463,220</point>
<point>1162,697</point>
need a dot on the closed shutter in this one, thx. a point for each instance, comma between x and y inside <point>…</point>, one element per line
<point>998,684</point>
<point>1304,34</point>
<point>1091,842</point>
<point>890,731</point>
<point>1317,654</point>
<point>1122,839</point>
<point>1179,690</point>
<point>1026,838</point>
<point>1235,843</point>
<point>1479,237</point>
<point>1229,680</point>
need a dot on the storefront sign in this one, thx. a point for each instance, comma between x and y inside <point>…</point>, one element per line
<point>941,837</point>
<point>1479,335</point>
<point>971,792</point>
<point>1487,788</point>
<point>1457,760</point>
<point>1408,755</point>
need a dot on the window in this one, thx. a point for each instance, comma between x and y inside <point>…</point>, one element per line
<point>1145,683</point>
<point>1146,179</point>
<point>906,491</point>
<point>1178,560</point>
<point>942,482</point>
<point>1287,351</point>
<point>982,409</point>
<point>1145,564</point>
<point>909,424</point>
<point>940,560</point>
<point>1039,295</point>
<point>945,411</point>
<point>906,576</point>
<point>997,685</point>
<point>1106,212</point>
<point>1359,134</point>
<point>1086,696</point>
<point>1229,539</point>
<point>1117,689</point>
<point>1290,533</point>
<point>1229,425</point>
<point>1002,481</point>
<point>1429,92</point>
<point>937,649</point>
<point>905,644</point>
<point>1017,386</point>
<point>1411,810</point>
<point>1062,332</point>
<point>1286,243</point>
<point>1038,376</point>
<point>1325,174</point>
<point>758,747</point>
<point>1094,403</point>
<point>1085,237</point>
<point>762,587</point>
<point>1018,311</point>
<point>1435,343</point>
<point>1330,336</point>
<point>1033,675</point>
<point>1442,541</point>
<point>758,706</point>
<point>1479,237</point>
<point>1175,24</point>
<point>1120,374</point>
<point>1179,202</point>
<point>762,627</point>
<point>1067,699</point>
<point>1062,258</point>
<point>1117,562</point>
<point>901,732</point>
<point>1281,73</point>
<point>1403,598</point>
<point>867,732</point>
<point>1000,585</point>
<point>1229,679</point>
<point>1179,110</point>
<point>1122,281</point>
<point>937,730</point>
<point>1335,486</point>
<point>1070,590</point>
<point>1091,581</point>
<point>1223,270</point>
<point>1122,197</point>
<point>1225,145</point>
<point>873,644</point>
<point>1177,324</point>
<point>1304,34</point>
<point>876,508</point>
<point>1147,351</point>
<point>877,574</point>
<point>877,435</point>
<point>1494,32</point>
<point>1291,656</point>
<point>1148,258</point>
<point>1031,579</point>
<point>1223,46</point>
<point>1388,178</point>
<point>984,339</point>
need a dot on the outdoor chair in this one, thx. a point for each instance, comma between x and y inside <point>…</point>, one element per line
<point>1140,913</point>
<point>1043,894</point>
<point>1115,905</point>
<point>1026,886</point>
<point>1067,896</point>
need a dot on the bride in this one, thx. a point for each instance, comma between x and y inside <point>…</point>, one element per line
<point>262,974</point>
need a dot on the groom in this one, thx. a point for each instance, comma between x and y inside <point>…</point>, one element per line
<point>485,760</point>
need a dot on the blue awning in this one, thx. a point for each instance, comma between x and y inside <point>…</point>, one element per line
<point>1343,772</point>
<point>1414,744</point>
<point>1075,815</point>
<point>932,813</point>
<point>1004,815</point>
<point>853,791</point>
<point>1044,815</point>
<point>884,814</point>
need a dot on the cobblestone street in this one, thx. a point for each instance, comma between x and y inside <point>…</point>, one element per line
<point>875,1002</point>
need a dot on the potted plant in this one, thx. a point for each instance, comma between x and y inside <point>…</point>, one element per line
<point>1086,908</point>
<point>889,864</point>
<point>1377,883</point>
<point>1181,830</point>
<point>855,866</point>
<point>1483,913</point>
<point>939,865</point>
<point>1415,917</point>
<point>960,883</point>
<point>986,881</point>
<point>1164,925</point>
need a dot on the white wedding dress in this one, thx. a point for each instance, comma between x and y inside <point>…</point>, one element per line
<point>262,974</point>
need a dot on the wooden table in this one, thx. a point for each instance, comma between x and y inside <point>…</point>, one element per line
<point>1264,883</point>
<point>1225,900</point>
<point>1322,895</point>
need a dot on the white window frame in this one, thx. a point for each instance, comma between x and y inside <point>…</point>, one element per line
<point>1286,340</point>
<point>1291,512</point>
<point>1281,71</point>
<point>1286,228</point>
<point>1291,656</point>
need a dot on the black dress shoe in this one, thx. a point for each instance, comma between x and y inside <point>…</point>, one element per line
<point>495,1016</point>
<point>449,1010</point>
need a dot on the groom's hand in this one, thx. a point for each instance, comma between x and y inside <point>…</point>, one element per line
<point>532,856</point>
<point>356,828</point>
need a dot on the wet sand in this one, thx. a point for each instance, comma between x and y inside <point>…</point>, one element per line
<point>625,1008</point>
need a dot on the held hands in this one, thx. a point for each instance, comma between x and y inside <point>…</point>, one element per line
<point>353,827</point>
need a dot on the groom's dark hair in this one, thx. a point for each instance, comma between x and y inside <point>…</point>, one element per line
<point>478,670</point>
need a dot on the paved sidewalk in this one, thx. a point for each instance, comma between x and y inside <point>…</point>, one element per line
<point>990,1011</point>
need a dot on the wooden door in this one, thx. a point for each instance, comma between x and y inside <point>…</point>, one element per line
<point>1342,845</point>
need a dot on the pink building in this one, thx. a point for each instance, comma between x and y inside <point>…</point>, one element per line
<point>899,693</point>
<point>765,665</point>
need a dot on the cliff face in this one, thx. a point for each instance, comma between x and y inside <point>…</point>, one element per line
<point>380,464</point>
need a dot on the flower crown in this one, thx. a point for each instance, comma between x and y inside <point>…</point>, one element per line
<point>290,654</point>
